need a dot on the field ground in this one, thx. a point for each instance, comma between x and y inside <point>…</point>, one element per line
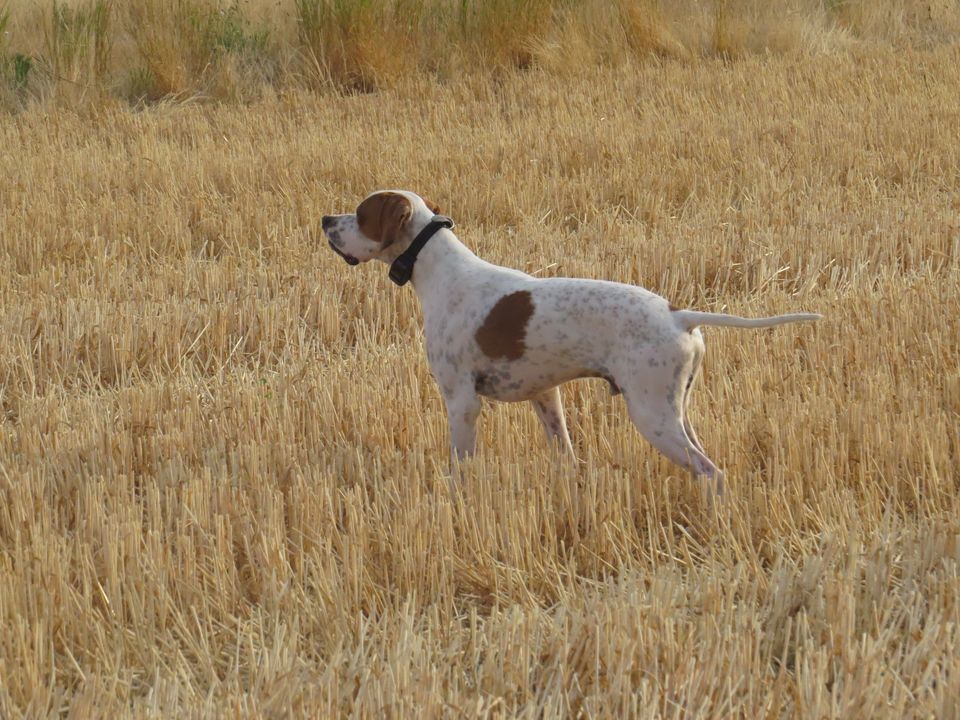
<point>222,456</point>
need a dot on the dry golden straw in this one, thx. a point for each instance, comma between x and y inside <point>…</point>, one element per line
<point>223,459</point>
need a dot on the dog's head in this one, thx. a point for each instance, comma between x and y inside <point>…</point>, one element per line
<point>382,227</point>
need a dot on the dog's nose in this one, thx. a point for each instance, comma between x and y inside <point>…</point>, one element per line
<point>326,221</point>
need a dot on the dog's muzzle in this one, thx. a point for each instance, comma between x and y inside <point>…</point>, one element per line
<point>351,260</point>
<point>326,222</point>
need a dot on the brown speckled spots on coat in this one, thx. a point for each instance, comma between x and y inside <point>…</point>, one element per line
<point>673,308</point>
<point>503,333</point>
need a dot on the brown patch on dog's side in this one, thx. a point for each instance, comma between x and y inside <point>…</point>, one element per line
<point>503,333</point>
<point>434,208</point>
<point>382,216</point>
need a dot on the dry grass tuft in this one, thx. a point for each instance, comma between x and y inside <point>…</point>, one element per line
<point>343,49</point>
<point>222,457</point>
<point>73,52</point>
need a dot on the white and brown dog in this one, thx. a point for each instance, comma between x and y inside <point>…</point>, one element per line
<point>502,334</point>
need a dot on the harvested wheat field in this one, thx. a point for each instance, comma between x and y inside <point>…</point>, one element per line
<point>224,462</point>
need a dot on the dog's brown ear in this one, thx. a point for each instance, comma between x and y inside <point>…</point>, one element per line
<point>434,208</point>
<point>381,217</point>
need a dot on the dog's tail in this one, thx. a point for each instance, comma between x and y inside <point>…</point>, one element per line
<point>691,319</point>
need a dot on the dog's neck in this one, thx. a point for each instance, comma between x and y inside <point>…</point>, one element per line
<point>441,261</point>
<point>443,257</point>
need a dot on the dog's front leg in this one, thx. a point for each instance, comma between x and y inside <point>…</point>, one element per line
<point>463,409</point>
<point>549,409</point>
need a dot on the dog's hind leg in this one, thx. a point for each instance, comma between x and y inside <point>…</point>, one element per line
<point>664,428</point>
<point>685,406</point>
<point>656,400</point>
<point>688,427</point>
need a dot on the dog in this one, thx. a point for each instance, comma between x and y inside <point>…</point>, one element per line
<point>499,333</point>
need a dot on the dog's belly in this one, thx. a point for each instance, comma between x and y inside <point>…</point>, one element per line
<point>504,389</point>
<point>501,384</point>
<point>515,382</point>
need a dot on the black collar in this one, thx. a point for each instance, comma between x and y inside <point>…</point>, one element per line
<point>401,269</point>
